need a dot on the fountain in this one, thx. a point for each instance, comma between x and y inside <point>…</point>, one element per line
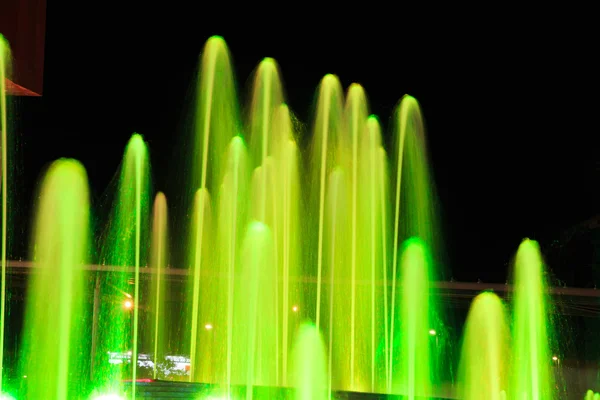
<point>306,273</point>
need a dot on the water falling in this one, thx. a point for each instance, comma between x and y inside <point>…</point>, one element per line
<point>483,363</point>
<point>310,368</point>
<point>123,248</point>
<point>254,314</point>
<point>276,237</point>
<point>412,363</point>
<point>531,368</point>
<point>158,261</point>
<point>54,338</point>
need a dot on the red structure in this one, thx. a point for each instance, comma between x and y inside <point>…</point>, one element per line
<point>23,24</point>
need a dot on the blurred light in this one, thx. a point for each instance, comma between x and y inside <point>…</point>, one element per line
<point>208,327</point>
<point>554,358</point>
<point>295,308</point>
<point>108,397</point>
<point>432,332</point>
<point>5,396</point>
<point>25,376</point>
<point>128,304</point>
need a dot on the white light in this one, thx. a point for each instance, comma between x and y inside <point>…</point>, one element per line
<point>108,397</point>
<point>554,358</point>
<point>128,304</point>
<point>295,308</point>
<point>208,327</point>
<point>432,332</point>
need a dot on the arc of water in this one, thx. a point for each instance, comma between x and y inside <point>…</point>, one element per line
<point>400,150</point>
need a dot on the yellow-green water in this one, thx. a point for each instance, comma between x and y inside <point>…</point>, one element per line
<point>53,357</point>
<point>483,370</point>
<point>341,232</point>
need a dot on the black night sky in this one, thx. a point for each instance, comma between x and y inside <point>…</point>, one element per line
<point>511,109</point>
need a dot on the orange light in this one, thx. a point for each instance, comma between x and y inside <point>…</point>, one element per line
<point>128,304</point>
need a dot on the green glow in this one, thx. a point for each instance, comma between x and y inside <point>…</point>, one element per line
<point>414,359</point>
<point>590,395</point>
<point>124,244</point>
<point>310,371</point>
<point>531,373</point>
<point>344,236</point>
<point>355,115</point>
<point>53,338</point>
<point>483,363</point>
<point>158,260</point>
<point>4,70</point>
<point>414,215</point>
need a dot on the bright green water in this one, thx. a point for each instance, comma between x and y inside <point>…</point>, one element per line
<point>310,368</point>
<point>340,232</point>
<point>55,337</point>
<point>484,362</point>
<point>532,357</point>
<point>125,243</point>
<point>158,290</point>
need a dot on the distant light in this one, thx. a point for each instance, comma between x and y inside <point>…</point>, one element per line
<point>25,376</point>
<point>554,358</point>
<point>432,332</point>
<point>208,327</point>
<point>128,304</point>
<point>295,308</point>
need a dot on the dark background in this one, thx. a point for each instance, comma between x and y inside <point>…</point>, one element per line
<point>510,103</point>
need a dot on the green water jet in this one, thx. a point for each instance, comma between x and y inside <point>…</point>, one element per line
<point>54,338</point>
<point>124,244</point>
<point>158,261</point>
<point>310,368</point>
<point>531,368</point>
<point>485,352</point>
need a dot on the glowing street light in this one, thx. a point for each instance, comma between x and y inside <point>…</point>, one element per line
<point>295,308</point>
<point>208,327</point>
<point>432,332</point>
<point>128,304</point>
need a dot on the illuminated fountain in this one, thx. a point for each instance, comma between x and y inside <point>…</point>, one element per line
<point>342,234</point>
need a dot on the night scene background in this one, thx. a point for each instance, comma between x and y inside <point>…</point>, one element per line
<point>509,109</point>
<point>510,106</point>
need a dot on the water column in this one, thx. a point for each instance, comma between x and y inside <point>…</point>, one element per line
<point>53,340</point>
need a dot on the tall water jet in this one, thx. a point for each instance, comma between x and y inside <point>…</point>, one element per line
<point>337,255</point>
<point>355,118</point>
<point>413,191</point>
<point>116,314</point>
<point>310,369</point>
<point>371,272</point>
<point>232,213</point>
<point>254,314</point>
<point>267,97</point>
<point>217,121</point>
<point>4,72</point>
<point>531,376</point>
<point>286,192</point>
<point>327,129</point>
<point>201,259</point>
<point>54,337</point>
<point>483,363</point>
<point>217,116</point>
<point>412,363</point>
<point>159,261</point>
